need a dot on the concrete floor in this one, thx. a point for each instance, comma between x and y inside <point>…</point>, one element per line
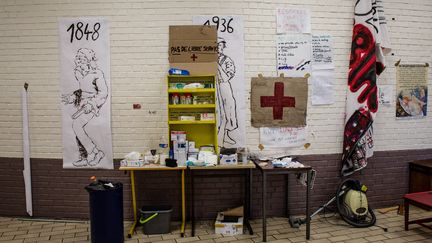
<point>323,229</point>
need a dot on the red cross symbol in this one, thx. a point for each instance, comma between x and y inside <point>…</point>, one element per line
<point>278,101</point>
<point>194,57</point>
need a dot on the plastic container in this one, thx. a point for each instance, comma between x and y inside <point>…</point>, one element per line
<point>176,71</point>
<point>156,219</point>
<point>175,99</point>
<point>182,99</point>
<point>188,99</point>
<point>106,211</point>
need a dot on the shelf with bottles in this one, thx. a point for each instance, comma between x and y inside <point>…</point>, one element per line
<point>192,108</point>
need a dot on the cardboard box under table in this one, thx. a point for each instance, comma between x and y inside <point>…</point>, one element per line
<point>228,228</point>
<point>223,171</point>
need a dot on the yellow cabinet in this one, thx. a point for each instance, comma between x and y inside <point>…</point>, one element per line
<point>192,108</point>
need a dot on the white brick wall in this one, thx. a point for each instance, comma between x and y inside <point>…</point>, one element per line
<point>139,40</point>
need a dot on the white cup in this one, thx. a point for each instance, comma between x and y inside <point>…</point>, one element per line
<point>162,158</point>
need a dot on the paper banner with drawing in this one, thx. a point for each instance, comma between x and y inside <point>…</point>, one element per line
<point>278,102</point>
<point>412,91</point>
<point>293,21</point>
<point>322,87</point>
<point>293,55</point>
<point>322,52</point>
<point>85,93</point>
<point>282,137</point>
<point>230,85</point>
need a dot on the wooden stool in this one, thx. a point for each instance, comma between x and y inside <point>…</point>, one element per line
<point>419,199</point>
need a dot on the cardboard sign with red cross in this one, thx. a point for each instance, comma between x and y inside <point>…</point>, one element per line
<point>279,102</point>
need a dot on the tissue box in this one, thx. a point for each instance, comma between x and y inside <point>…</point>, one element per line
<point>135,163</point>
<point>228,159</point>
<point>207,116</point>
<point>228,228</point>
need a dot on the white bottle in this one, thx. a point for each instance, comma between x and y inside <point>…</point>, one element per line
<point>163,150</point>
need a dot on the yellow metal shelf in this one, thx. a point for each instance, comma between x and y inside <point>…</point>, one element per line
<point>197,106</point>
<point>191,122</point>
<point>183,77</point>
<point>203,90</point>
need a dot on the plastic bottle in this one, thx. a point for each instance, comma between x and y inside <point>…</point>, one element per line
<point>175,99</point>
<point>163,150</point>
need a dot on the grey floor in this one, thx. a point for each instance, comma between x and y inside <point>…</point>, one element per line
<point>329,229</point>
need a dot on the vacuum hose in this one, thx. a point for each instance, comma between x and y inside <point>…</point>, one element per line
<point>344,212</point>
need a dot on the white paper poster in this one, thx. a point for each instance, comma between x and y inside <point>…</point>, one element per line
<point>294,55</point>
<point>85,93</point>
<point>282,137</point>
<point>322,87</point>
<point>322,53</point>
<point>26,152</point>
<point>293,21</point>
<point>230,86</point>
<point>385,94</point>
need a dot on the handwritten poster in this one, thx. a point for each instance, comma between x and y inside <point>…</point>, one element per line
<point>322,54</point>
<point>85,93</point>
<point>282,137</point>
<point>412,91</point>
<point>230,86</point>
<point>293,21</point>
<point>293,55</point>
<point>322,87</point>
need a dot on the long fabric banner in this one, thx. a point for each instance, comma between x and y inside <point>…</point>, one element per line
<point>369,43</point>
<point>230,86</point>
<point>85,92</point>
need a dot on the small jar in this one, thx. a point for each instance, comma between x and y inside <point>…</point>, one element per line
<point>182,99</point>
<point>188,99</point>
<point>175,99</point>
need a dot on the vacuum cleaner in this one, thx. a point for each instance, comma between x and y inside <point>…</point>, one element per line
<point>352,206</point>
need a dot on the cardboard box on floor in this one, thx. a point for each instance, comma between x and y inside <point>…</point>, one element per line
<point>228,228</point>
<point>193,48</point>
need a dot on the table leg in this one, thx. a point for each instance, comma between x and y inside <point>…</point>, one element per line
<point>264,198</point>
<point>182,230</point>
<point>132,229</point>
<point>247,200</point>
<point>406,208</point>
<point>287,212</point>
<point>192,208</point>
<point>307,204</point>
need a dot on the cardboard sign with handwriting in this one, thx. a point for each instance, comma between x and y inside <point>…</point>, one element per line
<point>194,48</point>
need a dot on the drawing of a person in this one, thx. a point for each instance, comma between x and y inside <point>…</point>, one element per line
<point>88,99</point>
<point>226,100</point>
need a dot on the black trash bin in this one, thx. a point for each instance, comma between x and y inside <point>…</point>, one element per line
<point>106,211</point>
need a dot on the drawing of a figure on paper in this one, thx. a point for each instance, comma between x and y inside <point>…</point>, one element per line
<point>227,106</point>
<point>88,99</point>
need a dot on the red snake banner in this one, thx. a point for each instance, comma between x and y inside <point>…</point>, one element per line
<point>369,43</point>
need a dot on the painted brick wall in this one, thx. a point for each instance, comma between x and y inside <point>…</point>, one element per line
<point>139,40</point>
<point>59,193</point>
